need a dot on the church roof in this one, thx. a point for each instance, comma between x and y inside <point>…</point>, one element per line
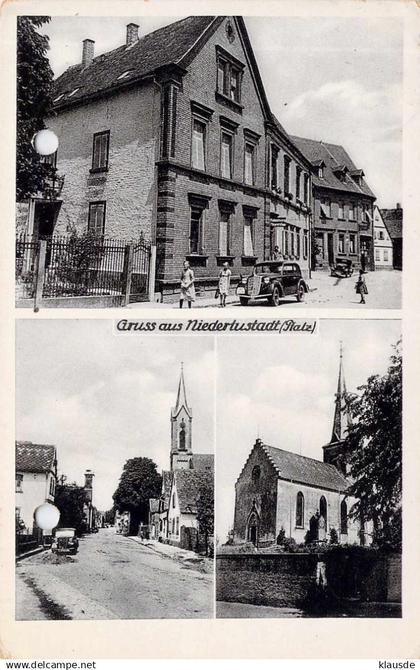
<point>124,65</point>
<point>181,396</point>
<point>304,470</point>
<point>35,457</point>
<point>189,483</point>
<point>203,462</point>
<point>342,416</point>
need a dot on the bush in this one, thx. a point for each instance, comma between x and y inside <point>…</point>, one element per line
<point>333,536</point>
<point>281,536</point>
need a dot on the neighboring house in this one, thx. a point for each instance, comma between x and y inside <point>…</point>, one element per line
<point>342,206</point>
<point>171,135</point>
<point>382,242</point>
<point>393,220</point>
<point>278,490</point>
<point>154,518</point>
<point>36,480</point>
<point>181,485</point>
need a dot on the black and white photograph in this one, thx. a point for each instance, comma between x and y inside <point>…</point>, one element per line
<point>209,161</point>
<point>117,435</point>
<point>309,475</point>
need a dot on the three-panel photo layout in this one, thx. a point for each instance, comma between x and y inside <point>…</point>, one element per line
<point>208,335</point>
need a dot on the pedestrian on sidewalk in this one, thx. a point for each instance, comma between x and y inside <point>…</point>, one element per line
<point>224,284</point>
<point>361,288</point>
<point>187,286</point>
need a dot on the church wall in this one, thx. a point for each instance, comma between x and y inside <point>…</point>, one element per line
<point>286,508</point>
<point>263,492</point>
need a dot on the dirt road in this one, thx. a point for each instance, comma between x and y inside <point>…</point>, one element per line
<point>111,577</point>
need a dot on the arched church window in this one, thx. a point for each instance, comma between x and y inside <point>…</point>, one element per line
<point>256,474</point>
<point>323,509</point>
<point>182,436</point>
<point>300,510</point>
<point>343,517</point>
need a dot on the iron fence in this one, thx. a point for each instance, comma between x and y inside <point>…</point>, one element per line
<point>82,265</point>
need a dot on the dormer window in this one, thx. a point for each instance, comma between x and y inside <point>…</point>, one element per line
<point>321,172</point>
<point>318,168</point>
<point>357,176</point>
<point>340,172</point>
<point>125,74</point>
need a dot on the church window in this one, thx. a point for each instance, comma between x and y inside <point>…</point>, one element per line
<point>323,509</point>
<point>182,437</point>
<point>177,525</point>
<point>300,510</point>
<point>343,517</point>
<point>256,474</point>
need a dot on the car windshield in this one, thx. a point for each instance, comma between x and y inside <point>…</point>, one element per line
<point>264,268</point>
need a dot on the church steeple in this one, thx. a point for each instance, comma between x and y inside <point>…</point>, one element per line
<point>334,450</point>
<point>181,429</point>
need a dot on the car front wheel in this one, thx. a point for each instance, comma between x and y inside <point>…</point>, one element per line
<point>275,297</point>
<point>300,295</point>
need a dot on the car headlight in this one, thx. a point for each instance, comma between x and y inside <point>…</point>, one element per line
<point>266,280</point>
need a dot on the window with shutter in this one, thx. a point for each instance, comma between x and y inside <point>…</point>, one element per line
<point>96,221</point>
<point>198,145</point>
<point>249,163</point>
<point>224,234</point>
<point>248,236</point>
<point>226,156</point>
<point>100,151</point>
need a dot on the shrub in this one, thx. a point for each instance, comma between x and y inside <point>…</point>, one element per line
<point>333,536</point>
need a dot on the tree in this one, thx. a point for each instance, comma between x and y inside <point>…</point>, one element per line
<point>374,445</point>
<point>34,85</point>
<point>139,482</point>
<point>205,510</point>
<point>70,500</point>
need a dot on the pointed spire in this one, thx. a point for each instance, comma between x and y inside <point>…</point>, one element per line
<point>181,398</point>
<point>342,416</point>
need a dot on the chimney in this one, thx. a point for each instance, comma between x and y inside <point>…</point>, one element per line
<point>88,51</point>
<point>132,33</point>
<point>398,205</point>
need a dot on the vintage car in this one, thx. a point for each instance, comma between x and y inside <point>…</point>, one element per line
<point>272,281</point>
<point>342,268</point>
<point>65,541</point>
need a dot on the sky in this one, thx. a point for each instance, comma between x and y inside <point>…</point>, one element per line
<point>284,394</point>
<point>333,79</point>
<point>102,399</point>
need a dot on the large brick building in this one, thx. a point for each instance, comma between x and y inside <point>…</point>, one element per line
<point>282,492</point>
<point>342,206</point>
<point>171,135</point>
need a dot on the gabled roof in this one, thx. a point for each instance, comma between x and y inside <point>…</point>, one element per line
<point>304,470</point>
<point>203,462</point>
<point>154,505</point>
<point>166,487</point>
<point>35,457</point>
<point>334,157</point>
<point>188,486</point>
<point>393,220</point>
<point>165,46</point>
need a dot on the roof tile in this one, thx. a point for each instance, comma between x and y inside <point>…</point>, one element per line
<point>35,457</point>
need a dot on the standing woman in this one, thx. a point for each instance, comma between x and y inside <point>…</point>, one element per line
<point>224,284</point>
<point>361,288</point>
<point>187,285</point>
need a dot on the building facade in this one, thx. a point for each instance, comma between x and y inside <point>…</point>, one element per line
<point>189,475</point>
<point>282,493</point>
<point>393,220</point>
<point>36,481</point>
<point>342,207</point>
<point>382,242</point>
<point>171,136</point>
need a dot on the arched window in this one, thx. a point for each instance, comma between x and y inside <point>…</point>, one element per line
<point>323,509</point>
<point>300,510</point>
<point>256,474</point>
<point>182,439</point>
<point>343,517</point>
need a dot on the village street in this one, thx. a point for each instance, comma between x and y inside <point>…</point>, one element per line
<point>384,286</point>
<point>111,577</point>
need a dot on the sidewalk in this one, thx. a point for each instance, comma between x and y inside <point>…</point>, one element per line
<point>188,558</point>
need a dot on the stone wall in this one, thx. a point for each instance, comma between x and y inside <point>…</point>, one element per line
<point>288,580</point>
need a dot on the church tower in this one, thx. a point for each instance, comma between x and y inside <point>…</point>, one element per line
<point>334,451</point>
<point>181,429</point>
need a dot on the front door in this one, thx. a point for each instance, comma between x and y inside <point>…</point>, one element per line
<point>330,249</point>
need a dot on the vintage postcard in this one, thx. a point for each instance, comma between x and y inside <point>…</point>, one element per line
<point>210,342</point>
